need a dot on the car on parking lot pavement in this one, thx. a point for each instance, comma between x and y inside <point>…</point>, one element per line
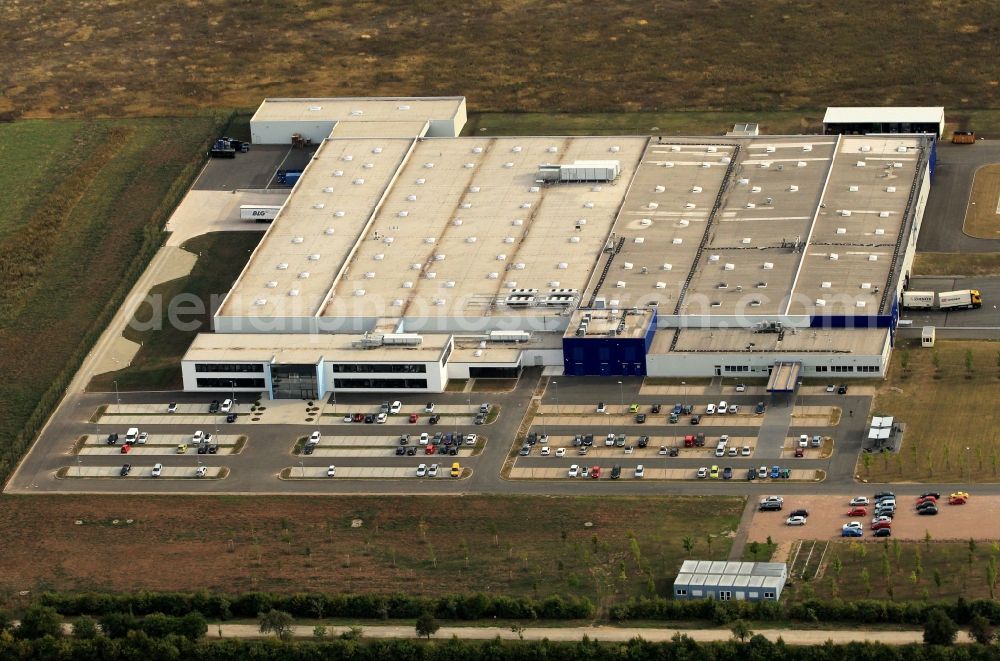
<point>926,504</point>
<point>347,417</point>
<point>734,451</point>
<point>734,409</point>
<point>414,418</point>
<point>769,504</point>
<point>369,418</point>
<point>640,418</point>
<point>172,407</point>
<point>727,473</point>
<point>616,471</point>
<point>214,406</point>
<point>859,501</point>
<point>931,494</point>
<point>957,501</point>
<point>852,532</point>
<point>795,521</point>
<point>884,494</point>
<point>629,449</point>
<point>633,408</point>
<point>928,499</point>
<point>751,474</point>
<point>231,417</point>
<point>434,419</point>
<point>775,472</point>
<point>830,387</point>
<point>582,450</point>
<point>126,469</point>
<point>643,441</point>
<point>702,473</point>
<point>201,472</point>
<point>561,452</point>
<point>878,525</point>
<point>714,472</point>
<point>800,512</point>
<point>741,387</point>
<point>722,407</point>
<point>928,511</point>
<point>883,532</point>
<point>157,470</point>
<point>760,408</point>
<point>762,472</point>
<point>432,471</point>
<point>842,389</point>
<point>960,494</point>
<point>381,418</point>
<point>358,417</point>
<point>745,451</point>
<point>710,409</point>
<point>816,441</point>
<point>545,452</point>
<point>602,407</point>
<point>429,408</point>
<point>471,439</point>
<point>655,408</point>
<point>525,450</point>
<point>673,418</point>
<point>853,524</point>
<point>126,448</point>
<point>803,441</point>
<point>695,420</point>
<point>595,472</point>
<point>799,452</point>
<point>876,519</point>
<point>663,451</point>
<point>227,406</point>
<point>620,441</point>
<point>421,470</point>
<point>112,438</point>
<point>430,449</point>
<point>396,407</point>
<point>181,448</point>
<point>456,469</point>
<point>400,451</point>
<point>883,513</point>
<point>480,419</point>
<point>410,452</point>
<point>857,511</point>
<point>574,471</point>
<point>213,448</point>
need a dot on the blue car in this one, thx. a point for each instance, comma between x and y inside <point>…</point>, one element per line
<point>775,472</point>
<point>851,532</point>
<point>678,409</point>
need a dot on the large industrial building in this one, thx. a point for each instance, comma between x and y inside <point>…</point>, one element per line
<point>406,255</point>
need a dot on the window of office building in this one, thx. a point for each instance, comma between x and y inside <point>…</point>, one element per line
<point>361,384</point>
<point>218,368</point>
<point>293,381</point>
<point>379,368</point>
<point>236,382</point>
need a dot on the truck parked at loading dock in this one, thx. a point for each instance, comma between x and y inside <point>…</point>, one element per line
<point>259,212</point>
<point>946,300</point>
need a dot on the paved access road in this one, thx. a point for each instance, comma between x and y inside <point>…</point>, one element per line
<point>951,187</point>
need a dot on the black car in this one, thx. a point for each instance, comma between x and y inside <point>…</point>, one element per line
<point>400,451</point>
<point>643,441</point>
<point>699,440</point>
<point>578,441</point>
<point>640,418</point>
<point>882,532</point>
<point>452,451</point>
<point>213,449</point>
<point>616,472</point>
<point>214,406</point>
<point>727,473</point>
<point>931,494</point>
<point>695,419</point>
<point>884,494</point>
<point>533,438</point>
<point>655,408</point>
<point>588,440</point>
<point>112,438</point>
<point>751,474</point>
<point>842,389</point>
<point>927,504</point>
<point>760,408</point>
<point>480,419</point>
<point>369,418</point>
<point>927,510</point>
<point>203,448</point>
<point>804,513</point>
<point>434,419</point>
<point>770,506</point>
<point>410,451</point>
<point>673,452</point>
<point>687,409</point>
<point>126,469</point>
<point>308,449</point>
<point>231,417</point>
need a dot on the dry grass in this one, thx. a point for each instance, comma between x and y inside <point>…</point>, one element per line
<point>957,263</point>
<point>944,440</point>
<point>156,58</point>
<point>982,220</point>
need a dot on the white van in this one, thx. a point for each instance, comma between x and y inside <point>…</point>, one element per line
<point>710,409</point>
<point>723,407</point>
<point>131,435</point>
<point>720,449</point>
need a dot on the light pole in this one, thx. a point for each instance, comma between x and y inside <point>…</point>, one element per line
<point>79,462</point>
<point>621,396</point>
<point>555,393</point>
<point>117,397</point>
<point>302,468</point>
<point>233,384</point>
<point>685,386</point>
<point>968,469</point>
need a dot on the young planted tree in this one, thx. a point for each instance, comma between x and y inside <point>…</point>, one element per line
<point>741,631</point>
<point>427,625</point>
<point>688,543</point>
<point>277,622</point>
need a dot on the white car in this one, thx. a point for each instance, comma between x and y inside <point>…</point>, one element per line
<point>201,472</point>
<point>381,418</point>
<point>574,471</point>
<point>198,437</point>
<point>396,407</point>
<point>830,387</point>
<point>640,471</point>
<point>157,469</point>
<point>772,499</point>
<point>723,407</point>
<point>601,408</point>
<point>131,435</point>
<point>432,471</point>
<point>609,441</point>
<point>629,449</point>
<point>881,519</point>
<point>702,473</point>
<point>543,439</point>
<point>853,524</point>
<point>545,452</point>
<point>710,409</point>
<point>142,438</point>
<point>795,521</point>
<point>741,387</point>
<point>227,406</point>
<point>859,501</point>
<point>172,407</point>
<point>424,438</point>
<point>347,418</point>
<point>733,451</point>
<point>734,409</point>
<point>663,450</point>
<point>745,451</point>
<point>421,470</point>
<point>561,452</point>
<point>429,408</point>
<point>470,439</point>
<point>314,437</point>
<point>803,441</point>
<point>331,471</point>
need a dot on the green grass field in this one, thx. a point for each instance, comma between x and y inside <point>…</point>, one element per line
<point>639,123</point>
<point>82,203</point>
<point>957,263</point>
<point>157,365</point>
<point>939,445</point>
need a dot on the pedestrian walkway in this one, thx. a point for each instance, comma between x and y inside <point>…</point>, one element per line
<point>743,531</point>
<point>774,429</point>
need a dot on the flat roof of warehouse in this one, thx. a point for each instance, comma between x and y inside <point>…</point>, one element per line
<point>367,109</point>
<point>307,348</point>
<point>860,341</point>
<point>465,225</point>
<point>883,114</point>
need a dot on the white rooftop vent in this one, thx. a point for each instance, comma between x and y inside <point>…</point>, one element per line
<point>404,214</point>
<point>661,285</point>
<point>879,231</point>
<point>533,189</point>
<point>769,149</point>
<point>627,266</point>
<point>696,189</point>
<point>553,283</point>
<point>668,164</point>
<point>359,292</point>
<point>397,302</point>
<point>477,150</point>
<point>588,205</point>
<point>315,108</point>
<point>890,189</point>
<point>866,148</point>
<point>415,266</point>
<point>466,205</point>
<point>314,257</point>
<point>713,258</point>
<point>403,107</point>
<point>328,189</point>
<point>898,164</point>
<point>660,189</point>
<point>883,214</point>
<point>860,164</point>
<point>689,205</point>
<point>743,181</point>
<point>357,113</point>
<point>359,181</point>
<point>260,301</point>
<point>751,205</point>
<point>450,284</point>
<point>834,256</point>
<point>866,285</point>
<point>644,222</point>
<point>800,164</point>
<point>339,214</point>
<point>706,164</point>
<point>712,149</point>
<point>430,275</point>
<point>826,285</point>
<point>388,240</point>
<point>793,188</point>
<point>379,257</point>
<point>347,157</point>
<point>508,164</point>
<point>377,150</point>
<point>667,267</point>
<point>615,149</point>
<point>297,239</point>
<point>510,284</point>
<point>470,239</point>
<point>620,284</point>
<point>765,164</point>
<point>675,147</point>
<point>368,166</point>
<point>841,230</point>
<point>901,149</point>
<point>517,222</point>
<point>853,188</point>
<point>408,284</point>
<point>439,301</point>
<point>501,257</point>
<point>845,213</point>
<point>746,240</point>
<point>725,160</point>
<point>411,198</point>
<point>807,147</point>
<point>492,275</point>
<point>730,267</point>
<point>525,205</point>
<point>677,241</point>
<point>428,165</point>
<point>477,353</point>
<point>304,275</point>
<point>516,149</point>
<point>683,222</point>
<point>421,181</point>
<point>369,275</point>
<point>469,166</point>
<point>872,258</point>
<point>519,266</point>
<point>861,304</point>
<point>562,266</point>
<point>768,266</point>
<point>596,189</point>
<point>293,292</point>
<point>755,189</point>
<point>338,173</point>
<point>439,257</point>
<point>639,240</point>
<point>652,205</point>
<point>551,150</point>
<point>429,240</point>
<point>510,239</point>
<point>574,239</point>
<point>272,284</point>
<point>820,302</point>
<point>282,266</point>
<point>474,189</point>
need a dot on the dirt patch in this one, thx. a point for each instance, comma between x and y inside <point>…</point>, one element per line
<point>982,218</point>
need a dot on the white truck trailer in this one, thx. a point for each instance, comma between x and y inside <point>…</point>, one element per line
<point>946,300</point>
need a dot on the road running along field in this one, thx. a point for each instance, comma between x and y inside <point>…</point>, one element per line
<point>419,545</point>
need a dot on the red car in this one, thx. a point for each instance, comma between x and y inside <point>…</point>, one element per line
<point>413,417</point>
<point>358,417</point>
<point>882,524</point>
<point>799,452</point>
<point>857,511</point>
<point>430,449</point>
<point>956,501</point>
<point>126,448</point>
<point>595,472</point>
<point>921,501</point>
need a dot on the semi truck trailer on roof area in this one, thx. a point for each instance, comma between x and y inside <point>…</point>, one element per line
<point>946,300</point>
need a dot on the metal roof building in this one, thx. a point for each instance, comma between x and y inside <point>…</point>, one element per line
<point>727,581</point>
<point>864,120</point>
